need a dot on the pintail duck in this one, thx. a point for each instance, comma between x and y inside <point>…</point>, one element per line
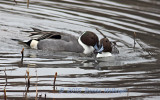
<point>107,48</point>
<point>87,43</point>
<point>56,41</point>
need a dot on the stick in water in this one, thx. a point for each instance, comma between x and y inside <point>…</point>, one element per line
<point>22,52</point>
<point>101,33</point>
<point>27,3</point>
<point>55,76</point>
<point>27,71</point>
<point>5,96</point>
<point>134,40</point>
<point>6,77</point>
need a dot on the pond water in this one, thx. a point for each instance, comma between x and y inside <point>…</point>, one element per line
<point>134,73</point>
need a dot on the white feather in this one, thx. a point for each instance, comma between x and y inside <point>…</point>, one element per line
<point>34,44</point>
<point>87,49</point>
<point>104,54</point>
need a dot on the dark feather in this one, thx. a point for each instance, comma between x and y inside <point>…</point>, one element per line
<point>36,30</point>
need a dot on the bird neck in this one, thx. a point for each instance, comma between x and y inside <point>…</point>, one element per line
<point>87,49</point>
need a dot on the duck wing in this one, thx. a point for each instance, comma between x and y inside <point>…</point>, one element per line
<point>40,35</point>
<point>51,35</point>
<point>37,31</point>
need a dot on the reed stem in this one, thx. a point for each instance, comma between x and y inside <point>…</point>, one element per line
<point>28,83</point>
<point>55,76</point>
<point>5,96</point>
<point>27,3</point>
<point>22,52</point>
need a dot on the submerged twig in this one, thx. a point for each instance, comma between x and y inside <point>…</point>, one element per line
<point>139,44</point>
<point>6,77</point>
<point>28,82</point>
<point>36,93</point>
<point>36,86</point>
<point>26,92</point>
<point>101,33</point>
<point>143,48</point>
<point>40,97</point>
<point>55,76</point>
<point>128,93</point>
<point>134,40</point>
<point>45,96</point>
<point>22,52</point>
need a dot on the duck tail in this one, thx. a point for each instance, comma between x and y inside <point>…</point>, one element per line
<point>34,30</point>
<point>17,40</point>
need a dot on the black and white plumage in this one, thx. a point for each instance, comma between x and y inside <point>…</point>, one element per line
<point>57,41</point>
<point>87,43</point>
<point>107,48</point>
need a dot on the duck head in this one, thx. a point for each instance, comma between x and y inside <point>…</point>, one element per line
<point>105,48</point>
<point>88,40</point>
<point>106,44</point>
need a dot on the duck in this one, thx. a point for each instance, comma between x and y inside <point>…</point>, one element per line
<point>106,48</point>
<point>57,41</point>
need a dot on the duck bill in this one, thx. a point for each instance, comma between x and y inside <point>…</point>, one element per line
<point>101,49</point>
<point>98,50</point>
<point>96,47</point>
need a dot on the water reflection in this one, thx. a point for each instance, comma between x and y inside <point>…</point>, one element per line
<point>135,69</point>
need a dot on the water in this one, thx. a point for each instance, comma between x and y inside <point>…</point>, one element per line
<point>132,74</point>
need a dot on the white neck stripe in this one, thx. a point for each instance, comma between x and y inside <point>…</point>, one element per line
<point>87,49</point>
